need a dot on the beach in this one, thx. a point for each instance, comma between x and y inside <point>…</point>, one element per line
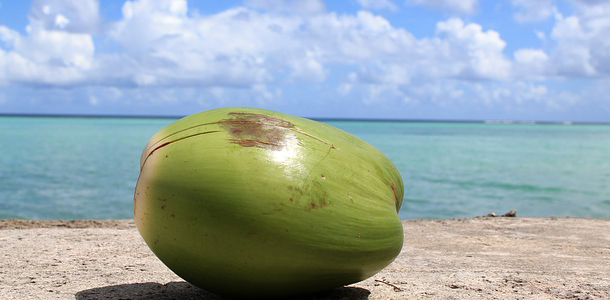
<point>476,258</point>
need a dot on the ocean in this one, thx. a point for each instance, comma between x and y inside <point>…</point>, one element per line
<point>86,168</point>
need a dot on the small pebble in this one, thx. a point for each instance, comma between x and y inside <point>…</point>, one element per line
<point>510,214</point>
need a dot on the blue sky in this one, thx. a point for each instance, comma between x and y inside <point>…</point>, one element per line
<point>400,59</point>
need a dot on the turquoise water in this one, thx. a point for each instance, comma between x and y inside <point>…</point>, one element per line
<point>86,168</point>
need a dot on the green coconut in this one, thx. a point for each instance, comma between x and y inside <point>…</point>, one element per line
<point>251,203</point>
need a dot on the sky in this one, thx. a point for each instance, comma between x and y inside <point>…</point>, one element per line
<point>382,59</point>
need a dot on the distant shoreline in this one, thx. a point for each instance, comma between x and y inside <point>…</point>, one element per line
<point>490,122</point>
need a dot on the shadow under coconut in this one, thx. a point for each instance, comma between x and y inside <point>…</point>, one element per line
<point>183,290</point>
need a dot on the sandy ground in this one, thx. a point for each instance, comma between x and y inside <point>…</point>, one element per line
<point>480,258</point>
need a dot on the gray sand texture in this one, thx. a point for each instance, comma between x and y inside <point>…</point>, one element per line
<point>480,258</point>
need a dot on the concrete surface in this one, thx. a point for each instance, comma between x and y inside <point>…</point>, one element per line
<point>479,258</point>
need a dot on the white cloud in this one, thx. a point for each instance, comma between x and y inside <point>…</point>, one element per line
<point>45,57</point>
<point>377,4</point>
<point>533,11</point>
<point>309,67</point>
<point>581,46</point>
<point>348,38</point>
<point>578,45</point>
<point>459,6</point>
<point>531,64</point>
<point>73,16</point>
<point>594,20</point>
<point>8,36</point>
<point>56,48</point>
<point>461,97</point>
<point>381,73</point>
<point>530,56</point>
<point>232,48</point>
<point>509,95</point>
<point>147,22</point>
<point>305,7</point>
<point>481,51</point>
<point>458,51</point>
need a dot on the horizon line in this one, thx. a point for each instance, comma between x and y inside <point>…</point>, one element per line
<point>339,119</point>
